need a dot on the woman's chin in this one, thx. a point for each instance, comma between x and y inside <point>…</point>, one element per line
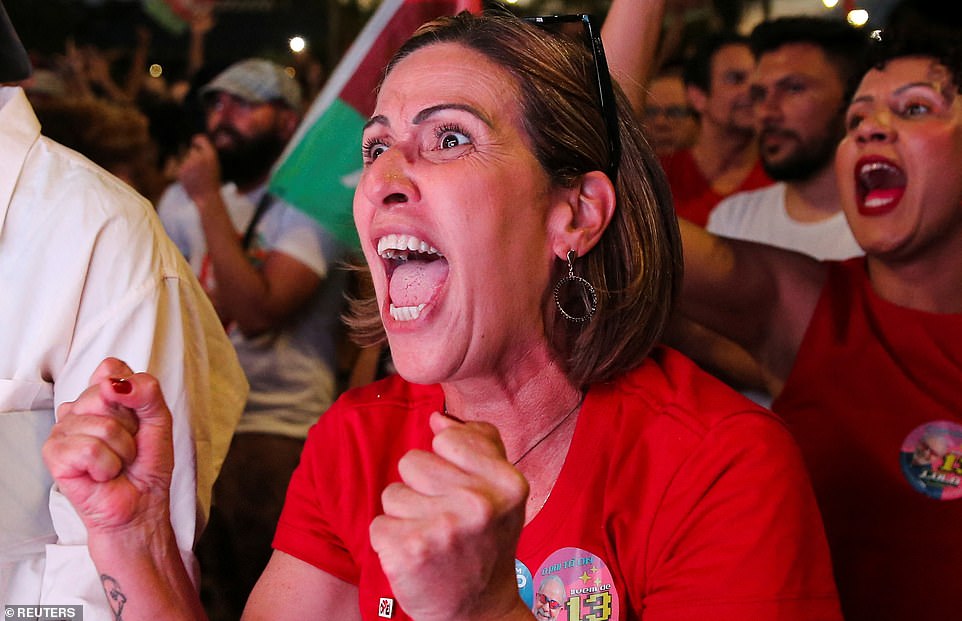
<point>418,367</point>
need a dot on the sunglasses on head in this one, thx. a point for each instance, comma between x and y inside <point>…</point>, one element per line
<point>606,93</point>
<point>552,604</point>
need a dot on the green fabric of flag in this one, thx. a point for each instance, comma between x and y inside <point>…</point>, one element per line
<point>321,171</point>
<point>165,16</point>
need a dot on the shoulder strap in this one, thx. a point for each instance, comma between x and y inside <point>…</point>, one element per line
<point>262,206</point>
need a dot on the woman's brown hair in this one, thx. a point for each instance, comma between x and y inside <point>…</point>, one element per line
<point>636,267</point>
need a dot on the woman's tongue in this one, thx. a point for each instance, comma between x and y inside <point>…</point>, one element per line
<point>416,282</point>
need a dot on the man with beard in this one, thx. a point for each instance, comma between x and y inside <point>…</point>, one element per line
<point>806,70</point>
<point>724,158</point>
<point>271,273</point>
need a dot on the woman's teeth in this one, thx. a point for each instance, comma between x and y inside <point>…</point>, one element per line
<point>405,313</point>
<point>397,246</point>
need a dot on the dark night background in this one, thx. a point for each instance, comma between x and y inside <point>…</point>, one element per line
<point>245,28</point>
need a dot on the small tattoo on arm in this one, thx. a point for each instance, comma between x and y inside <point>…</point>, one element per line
<point>115,596</point>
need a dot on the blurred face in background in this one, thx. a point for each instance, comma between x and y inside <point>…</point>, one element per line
<point>248,136</point>
<point>728,105</point>
<point>799,111</point>
<point>669,122</point>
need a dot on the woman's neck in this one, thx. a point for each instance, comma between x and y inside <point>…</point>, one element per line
<point>930,284</point>
<point>524,405</point>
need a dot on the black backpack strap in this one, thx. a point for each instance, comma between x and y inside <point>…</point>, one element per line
<point>262,206</point>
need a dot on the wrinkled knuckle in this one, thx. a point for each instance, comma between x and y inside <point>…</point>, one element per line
<point>447,531</point>
<point>150,383</point>
<point>444,442</point>
<point>518,489</point>
<point>51,451</point>
<point>87,449</point>
<point>390,496</point>
<point>104,427</point>
<point>478,506</point>
<point>377,532</point>
<point>407,462</point>
<point>64,409</point>
<point>411,464</point>
<point>420,548</point>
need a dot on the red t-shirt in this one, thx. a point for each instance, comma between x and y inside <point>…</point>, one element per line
<point>678,499</point>
<point>692,193</point>
<point>869,379</point>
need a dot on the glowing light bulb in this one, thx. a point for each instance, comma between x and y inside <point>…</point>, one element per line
<point>830,4</point>
<point>858,17</point>
<point>155,70</point>
<point>297,44</point>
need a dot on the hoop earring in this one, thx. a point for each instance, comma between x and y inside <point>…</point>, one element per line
<point>588,294</point>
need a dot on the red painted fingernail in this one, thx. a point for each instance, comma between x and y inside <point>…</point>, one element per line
<point>120,385</point>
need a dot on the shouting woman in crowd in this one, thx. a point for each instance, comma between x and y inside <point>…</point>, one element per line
<point>537,454</point>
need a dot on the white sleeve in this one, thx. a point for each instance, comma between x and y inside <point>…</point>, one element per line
<point>148,311</point>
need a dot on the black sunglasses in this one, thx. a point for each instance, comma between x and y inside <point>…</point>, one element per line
<point>606,93</point>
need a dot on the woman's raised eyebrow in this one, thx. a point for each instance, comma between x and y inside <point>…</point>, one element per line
<point>377,119</point>
<point>900,90</point>
<point>425,114</point>
<point>929,85</point>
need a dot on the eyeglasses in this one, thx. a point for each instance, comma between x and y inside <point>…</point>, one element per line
<point>673,113</point>
<point>551,603</point>
<point>606,93</point>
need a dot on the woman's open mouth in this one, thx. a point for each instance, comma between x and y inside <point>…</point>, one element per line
<point>415,271</point>
<point>879,185</point>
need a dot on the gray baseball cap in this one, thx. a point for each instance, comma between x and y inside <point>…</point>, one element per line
<point>258,81</point>
<point>14,62</point>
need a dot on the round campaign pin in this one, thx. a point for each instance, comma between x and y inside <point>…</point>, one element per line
<point>525,583</point>
<point>574,585</point>
<point>931,459</point>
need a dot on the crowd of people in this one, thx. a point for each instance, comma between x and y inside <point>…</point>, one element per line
<point>579,253</point>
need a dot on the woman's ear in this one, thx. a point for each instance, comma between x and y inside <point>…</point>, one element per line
<point>587,209</point>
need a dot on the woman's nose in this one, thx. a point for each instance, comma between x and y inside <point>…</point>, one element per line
<point>388,180</point>
<point>875,127</point>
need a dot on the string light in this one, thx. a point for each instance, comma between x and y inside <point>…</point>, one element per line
<point>297,44</point>
<point>858,17</point>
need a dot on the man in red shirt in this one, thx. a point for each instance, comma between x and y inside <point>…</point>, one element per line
<point>724,159</point>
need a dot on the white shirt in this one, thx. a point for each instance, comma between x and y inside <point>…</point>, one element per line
<point>290,368</point>
<point>761,216</point>
<point>86,272</point>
